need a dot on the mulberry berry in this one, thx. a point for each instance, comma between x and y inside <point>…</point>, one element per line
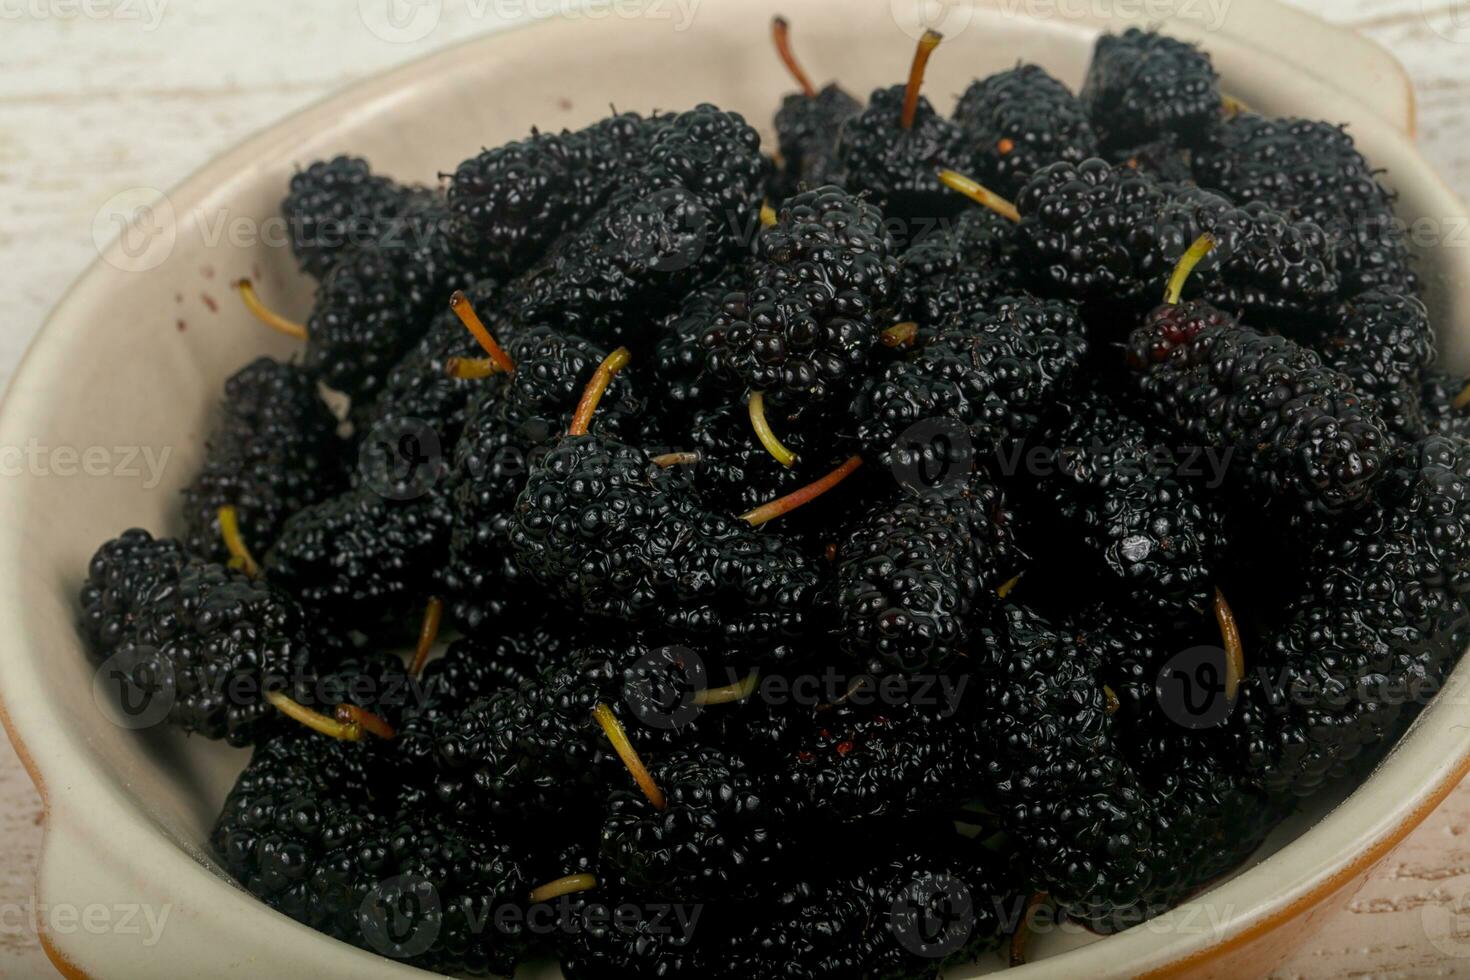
<point>992,375</point>
<point>1159,536</point>
<point>892,149</point>
<point>1142,85</point>
<point>806,324</point>
<point>508,204</point>
<point>380,299</point>
<point>274,452</point>
<point>911,579</point>
<point>1019,121</point>
<point>1297,431</point>
<point>339,204</point>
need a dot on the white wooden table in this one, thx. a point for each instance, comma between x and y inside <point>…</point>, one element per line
<point>106,95</point>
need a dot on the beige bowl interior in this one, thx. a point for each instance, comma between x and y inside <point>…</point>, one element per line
<point>134,357</point>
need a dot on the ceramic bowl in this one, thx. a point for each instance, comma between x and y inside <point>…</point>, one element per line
<point>127,369</point>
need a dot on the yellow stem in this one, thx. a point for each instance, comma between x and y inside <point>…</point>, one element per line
<point>808,493</point>
<point>1192,257</point>
<point>1234,649</point>
<point>465,310</point>
<point>265,314</point>
<point>900,334</point>
<point>569,885</point>
<point>365,721</point>
<point>765,434</point>
<point>738,691</point>
<point>613,729</point>
<point>472,368</point>
<point>980,194</point>
<point>926,47</point>
<point>229,529</point>
<point>1007,587</point>
<point>781,35</point>
<point>428,633</point>
<point>346,731</point>
<point>596,388</point>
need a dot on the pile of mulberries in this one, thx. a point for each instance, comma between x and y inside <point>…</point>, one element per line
<point>671,556</point>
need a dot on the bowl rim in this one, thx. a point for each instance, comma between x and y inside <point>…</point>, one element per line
<point>20,715</point>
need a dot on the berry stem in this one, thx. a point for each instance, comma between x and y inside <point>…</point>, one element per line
<point>1008,586</point>
<point>926,47</point>
<point>768,215</point>
<point>808,493</point>
<point>1234,650</point>
<point>569,885</point>
<point>781,35</point>
<point>738,691</point>
<point>345,731</point>
<point>765,433</point>
<point>596,388</point>
<point>613,729</point>
<point>365,720</point>
<point>666,460</point>
<point>472,368</point>
<point>1462,399</point>
<point>980,194</point>
<point>1233,106</point>
<point>1112,698</point>
<point>229,530</point>
<point>900,334</point>
<point>265,314</point>
<point>465,310</point>
<point>1022,934</point>
<point>428,633</point>
<point>1192,257</point>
